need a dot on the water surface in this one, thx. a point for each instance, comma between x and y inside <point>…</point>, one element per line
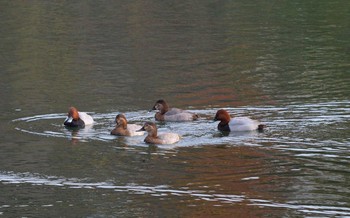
<point>283,63</point>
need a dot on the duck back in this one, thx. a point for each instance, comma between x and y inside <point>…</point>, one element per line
<point>86,118</point>
<point>243,124</point>
<point>175,114</point>
<point>132,128</point>
<point>169,138</point>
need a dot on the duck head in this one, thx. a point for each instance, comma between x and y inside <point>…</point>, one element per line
<point>223,116</point>
<point>161,106</point>
<point>73,113</point>
<point>120,120</point>
<point>150,128</point>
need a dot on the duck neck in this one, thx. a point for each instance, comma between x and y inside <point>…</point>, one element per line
<point>119,130</point>
<point>122,125</point>
<point>223,125</point>
<point>164,109</point>
<point>159,116</point>
<point>224,122</point>
<point>153,133</point>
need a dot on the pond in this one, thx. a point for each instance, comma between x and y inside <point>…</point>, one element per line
<point>284,63</point>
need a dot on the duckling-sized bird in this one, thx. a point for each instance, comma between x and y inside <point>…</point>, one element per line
<point>236,124</point>
<point>76,118</point>
<point>154,138</point>
<point>122,127</point>
<point>165,113</point>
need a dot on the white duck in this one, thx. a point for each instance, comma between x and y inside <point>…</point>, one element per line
<point>236,124</point>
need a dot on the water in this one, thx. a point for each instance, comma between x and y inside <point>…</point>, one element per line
<point>283,63</point>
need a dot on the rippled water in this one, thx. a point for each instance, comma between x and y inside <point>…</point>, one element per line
<point>283,126</point>
<point>282,63</point>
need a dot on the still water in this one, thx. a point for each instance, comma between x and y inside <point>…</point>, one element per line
<point>285,63</point>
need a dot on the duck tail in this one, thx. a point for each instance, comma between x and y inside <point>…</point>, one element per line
<point>195,117</point>
<point>261,127</point>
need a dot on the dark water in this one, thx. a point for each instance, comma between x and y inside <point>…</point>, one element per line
<point>285,63</point>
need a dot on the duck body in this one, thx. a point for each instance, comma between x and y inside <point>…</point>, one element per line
<point>154,138</point>
<point>163,139</point>
<point>88,120</point>
<point>236,124</point>
<point>78,119</point>
<point>132,128</point>
<point>122,127</point>
<point>165,113</point>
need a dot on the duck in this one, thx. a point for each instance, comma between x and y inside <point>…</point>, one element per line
<point>154,138</point>
<point>76,118</point>
<point>122,127</point>
<point>165,113</point>
<point>236,124</point>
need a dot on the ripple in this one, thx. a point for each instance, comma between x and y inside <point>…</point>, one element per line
<point>201,132</point>
<point>306,129</point>
<point>163,190</point>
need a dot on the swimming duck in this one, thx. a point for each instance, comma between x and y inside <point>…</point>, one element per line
<point>236,124</point>
<point>164,113</point>
<point>124,129</point>
<point>76,118</point>
<point>154,138</point>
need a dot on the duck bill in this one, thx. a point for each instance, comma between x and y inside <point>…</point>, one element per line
<point>153,108</point>
<point>68,119</point>
<point>140,130</point>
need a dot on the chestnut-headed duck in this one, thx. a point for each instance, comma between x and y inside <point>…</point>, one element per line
<point>236,124</point>
<point>76,118</point>
<point>123,128</point>
<point>165,113</point>
<point>154,138</point>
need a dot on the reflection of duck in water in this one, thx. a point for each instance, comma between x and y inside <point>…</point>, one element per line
<point>154,138</point>
<point>236,124</point>
<point>75,138</point>
<point>77,119</point>
<point>80,134</point>
<point>122,127</point>
<point>165,113</point>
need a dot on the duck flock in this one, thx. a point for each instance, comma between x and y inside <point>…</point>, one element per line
<point>77,119</point>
